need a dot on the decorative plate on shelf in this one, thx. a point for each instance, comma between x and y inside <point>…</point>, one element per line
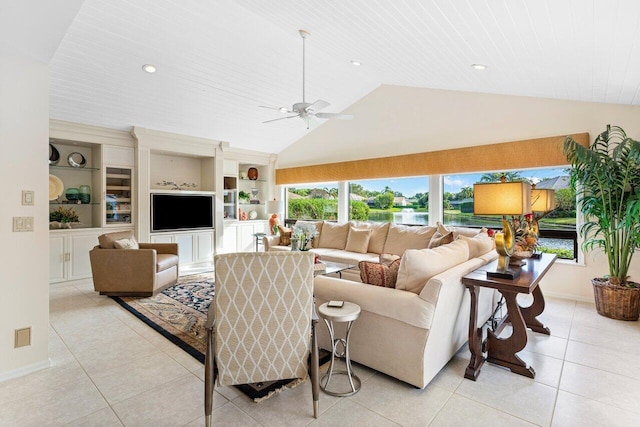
<point>253,215</point>
<point>56,187</point>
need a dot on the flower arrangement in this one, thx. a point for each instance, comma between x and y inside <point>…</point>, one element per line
<point>62,218</point>
<point>305,233</point>
<point>526,233</point>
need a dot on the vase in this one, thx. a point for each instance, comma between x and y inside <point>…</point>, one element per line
<point>252,173</point>
<point>72,194</point>
<point>84,194</point>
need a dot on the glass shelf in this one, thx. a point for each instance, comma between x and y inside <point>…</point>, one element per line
<point>251,180</point>
<point>66,203</point>
<point>72,168</point>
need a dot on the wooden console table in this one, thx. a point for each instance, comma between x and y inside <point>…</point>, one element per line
<point>502,351</point>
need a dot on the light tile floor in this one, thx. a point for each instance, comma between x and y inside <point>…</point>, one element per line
<point>109,369</point>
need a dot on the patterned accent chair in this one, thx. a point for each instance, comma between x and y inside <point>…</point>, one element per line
<point>261,323</point>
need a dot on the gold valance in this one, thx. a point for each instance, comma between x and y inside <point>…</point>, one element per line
<point>525,154</point>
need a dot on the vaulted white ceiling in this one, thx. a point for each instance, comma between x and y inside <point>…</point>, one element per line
<point>219,60</point>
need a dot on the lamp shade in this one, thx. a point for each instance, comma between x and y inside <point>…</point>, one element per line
<point>274,206</point>
<point>502,198</point>
<point>543,200</point>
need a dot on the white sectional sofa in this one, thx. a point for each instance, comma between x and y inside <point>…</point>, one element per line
<point>411,331</point>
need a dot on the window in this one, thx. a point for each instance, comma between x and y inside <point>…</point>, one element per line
<point>557,228</point>
<point>397,200</point>
<point>316,201</point>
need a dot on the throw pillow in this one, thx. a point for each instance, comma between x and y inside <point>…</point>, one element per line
<point>126,244</point>
<point>478,245</point>
<point>440,239</point>
<point>285,236</point>
<point>459,231</point>
<point>106,240</point>
<point>387,259</point>
<point>420,265</point>
<point>373,273</point>
<point>334,235</point>
<point>358,240</point>
<point>402,237</point>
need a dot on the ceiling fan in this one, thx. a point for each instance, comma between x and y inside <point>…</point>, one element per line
<point>305,110</point>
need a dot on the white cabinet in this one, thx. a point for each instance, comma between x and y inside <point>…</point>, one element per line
<point>69,253</point>
<point>240,236</point>
<point>194,247</point>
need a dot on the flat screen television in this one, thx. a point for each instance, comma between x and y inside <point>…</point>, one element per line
<point>170,212</point>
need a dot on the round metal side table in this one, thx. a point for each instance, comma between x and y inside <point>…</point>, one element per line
<point>348,313</point>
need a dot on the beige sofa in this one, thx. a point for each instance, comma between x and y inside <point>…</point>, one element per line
<point>411,331</point>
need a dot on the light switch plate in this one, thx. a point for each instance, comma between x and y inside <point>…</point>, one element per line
<point>22,223</point>
<point>28,198</point>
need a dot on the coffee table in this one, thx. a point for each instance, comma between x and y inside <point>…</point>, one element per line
<point>333,268</point>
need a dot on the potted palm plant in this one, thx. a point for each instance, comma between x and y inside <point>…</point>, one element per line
<point>606,178</point>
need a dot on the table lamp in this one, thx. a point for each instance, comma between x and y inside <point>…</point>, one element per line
<point>543,201</point>
<point>503,198</point>
<point>274,207</point>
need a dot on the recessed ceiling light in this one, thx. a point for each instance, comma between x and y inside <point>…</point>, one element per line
<point>479,66</point>
<point>356,63</point>
<point>149,68</point>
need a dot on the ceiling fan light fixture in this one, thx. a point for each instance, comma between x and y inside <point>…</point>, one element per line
<point>149,68</point>
<point>479,66</point>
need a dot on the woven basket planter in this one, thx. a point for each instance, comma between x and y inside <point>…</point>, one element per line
<point>616,302</point>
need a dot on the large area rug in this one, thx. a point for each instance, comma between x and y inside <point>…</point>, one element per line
<point>179,314</point>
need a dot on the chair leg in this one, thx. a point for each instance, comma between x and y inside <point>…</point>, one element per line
<point>315,368</point>
<point>209,377</point>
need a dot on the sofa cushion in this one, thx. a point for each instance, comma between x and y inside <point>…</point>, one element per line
<point>333,235</point>
<point>373,273</point>
<point>126,244</point>
<point>387,259</point>
<point>379,231</point>
<point>479,244</point>
<point>459,231</point>
<point>336,255</point>
<point>318,225</point>
<point>285,236</point>
<point>358,240</point>
<point>402,237</point>
<point>440,239</point>
<point>417,266</point>
<point>106,241</point>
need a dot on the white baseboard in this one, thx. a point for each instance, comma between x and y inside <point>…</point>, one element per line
<point>560,295</point>
<point>20,372</point>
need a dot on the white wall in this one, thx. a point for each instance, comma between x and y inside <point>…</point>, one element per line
<point>394,120</point>
<point>24,289</point>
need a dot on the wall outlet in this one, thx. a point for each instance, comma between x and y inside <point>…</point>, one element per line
<point>22,223</point>
<point>23,337</point>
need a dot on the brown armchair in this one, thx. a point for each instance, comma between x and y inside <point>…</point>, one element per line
<point>133,272</point>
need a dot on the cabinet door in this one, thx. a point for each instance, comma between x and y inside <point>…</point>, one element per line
<point>229,239</point>
<point>56,258</point>
<point>161,238</point>
<point>246,240</point>
<point>79,262</point>
<point>118,196</point>
<point>185,248</point>
<point>204,246</point>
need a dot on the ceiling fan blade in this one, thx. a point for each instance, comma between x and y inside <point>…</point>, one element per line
<point>318,105</point>
<point>334,116</point>
<point>281,109</point>
<point>281,118</point>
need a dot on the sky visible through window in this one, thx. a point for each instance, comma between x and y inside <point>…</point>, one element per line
<point>453,183</point>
